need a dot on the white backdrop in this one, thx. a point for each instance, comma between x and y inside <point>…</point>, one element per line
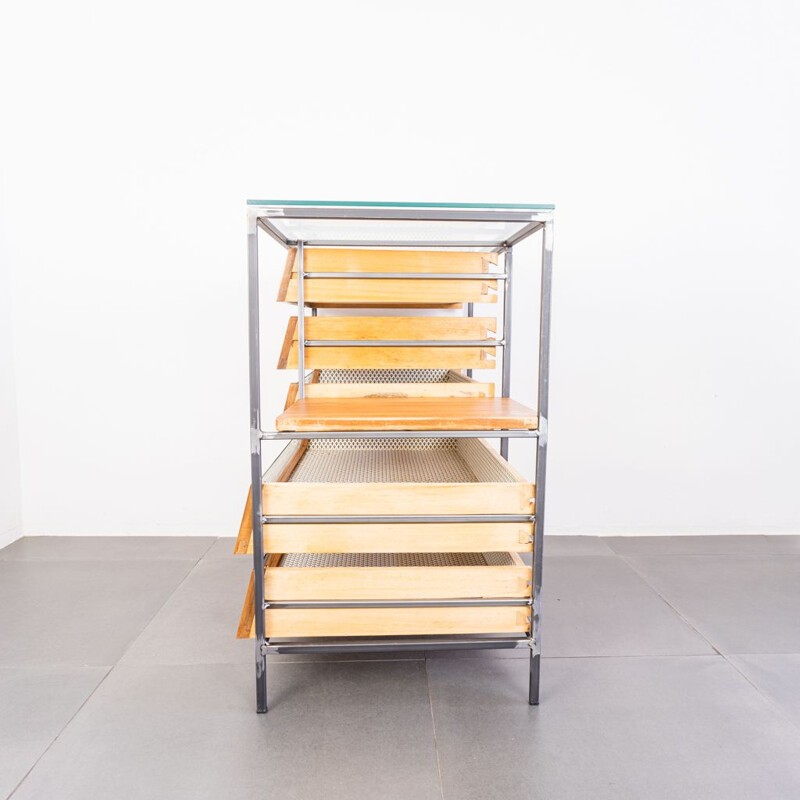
<point>666,133</point>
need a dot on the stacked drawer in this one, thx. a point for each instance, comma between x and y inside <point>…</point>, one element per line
<point>432,576</point>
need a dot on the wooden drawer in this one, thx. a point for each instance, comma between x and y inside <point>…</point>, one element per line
<point>350,383</point>
<point>366,292</point>
<point>412,537</point>
<point>329,622</point>
<point>392,477</point>
<point>422,329</point>
<point>383,621</point>
<point>396,576</point>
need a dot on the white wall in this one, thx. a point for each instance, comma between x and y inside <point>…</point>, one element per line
<point>10,491</point>
<point>665,132</point>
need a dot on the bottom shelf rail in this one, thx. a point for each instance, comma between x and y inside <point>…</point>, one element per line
<point>384,645</point>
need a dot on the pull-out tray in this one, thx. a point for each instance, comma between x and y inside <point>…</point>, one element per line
<point>391,576</point>
<point>410,343</point>
<point>392,477</point>
<point>406,414</point>
<point>345,383</point>
<point>321,292</point>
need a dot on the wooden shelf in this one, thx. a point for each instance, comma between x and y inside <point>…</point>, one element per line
<point>382,293</point>
<point>406,414</point>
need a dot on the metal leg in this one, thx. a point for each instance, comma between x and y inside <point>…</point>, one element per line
<point>470,313</point>
<point>255,466</point>
<point>506,382</point>
<point>533,679</point>
<point>541,461</point>
<point>301,323</point>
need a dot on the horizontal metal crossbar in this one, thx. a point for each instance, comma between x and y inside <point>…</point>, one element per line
<point>404,215</point>
<point>389,518</point>
<point>404,343</point>
<point>515,433</point>
<point>425,276</point>
<point>469,602</point>
<point>472,246</point>
<point>397,645</point>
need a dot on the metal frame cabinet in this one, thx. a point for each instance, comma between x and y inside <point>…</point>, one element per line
<point>500,228</point>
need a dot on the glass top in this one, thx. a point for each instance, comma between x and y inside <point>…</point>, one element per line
<point>334,223</point>
<point>389,204</point>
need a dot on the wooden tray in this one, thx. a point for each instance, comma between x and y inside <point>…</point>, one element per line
<point>445,580</point>
<point>381,293</point>
<point>352,478</point>
<point>406,414</point>
<point>391,383</point>
<point>391,357</point>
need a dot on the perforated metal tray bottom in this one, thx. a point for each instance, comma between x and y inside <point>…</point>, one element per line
<point>396,560</point>
<point>399,461</point>
<point>389,376</point>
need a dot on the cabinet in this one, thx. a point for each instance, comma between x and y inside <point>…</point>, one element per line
<point>389,521</point>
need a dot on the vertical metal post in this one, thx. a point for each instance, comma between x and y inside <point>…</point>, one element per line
<point>541,461</point>
<point>470,313</point>
<point>506,382</point>
<point>301,323</point>
<point>255,463</point>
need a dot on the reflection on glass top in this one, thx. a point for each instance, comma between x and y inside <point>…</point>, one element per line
<point>352,224</point>
<point>389,204</point>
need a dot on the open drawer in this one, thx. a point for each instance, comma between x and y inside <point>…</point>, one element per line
<point>387,477</point>
<point>322,292</point>
<point>391,576</point>
<point>396,576</point>
<point>430,342</point>
<point>349,383</point>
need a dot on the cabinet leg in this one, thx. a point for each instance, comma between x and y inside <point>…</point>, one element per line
<point>261,679</point>
<point>533,686</point>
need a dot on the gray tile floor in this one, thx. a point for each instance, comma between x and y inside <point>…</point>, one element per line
<point>672,669</point>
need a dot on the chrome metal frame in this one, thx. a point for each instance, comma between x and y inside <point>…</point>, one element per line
<point>259,218</point>
<point>541,460</point>
<point>404,343</point>
<point>506,378</point>
<point>413,276</point>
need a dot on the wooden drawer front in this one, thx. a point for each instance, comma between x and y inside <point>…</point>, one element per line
<point>391,329</point>
<point>480,482</point>
<point>467,388</point>
<point>283,499</point>
<point>393,292</point>
<point>398,582</point>
<point>446,537</point>
<point>338,383</point>
<point>359,259</point>
<point>406,414</point>
<point>389,292</point>
<point>393,357</point>
<point>295,622</point>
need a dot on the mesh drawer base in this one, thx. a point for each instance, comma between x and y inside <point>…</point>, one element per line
<point>384,376</point>
<point>396,560</point>
<point>398,461</point>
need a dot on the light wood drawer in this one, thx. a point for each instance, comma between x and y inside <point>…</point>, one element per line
<point>286,491</point>
<point>394,477</point>
<point>411,329</point>
<point>289,584</point>
<point>366,292</point>
<point>390,383</point>
<point>329,622</point>
<point>397,576</point>
<point>398,537</point>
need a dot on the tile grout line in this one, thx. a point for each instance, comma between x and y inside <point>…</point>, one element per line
<point>769,700</point>
<point>433,724</point>
<point>670,606</point>
<point>55,738</point>
<point>109,671</point>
